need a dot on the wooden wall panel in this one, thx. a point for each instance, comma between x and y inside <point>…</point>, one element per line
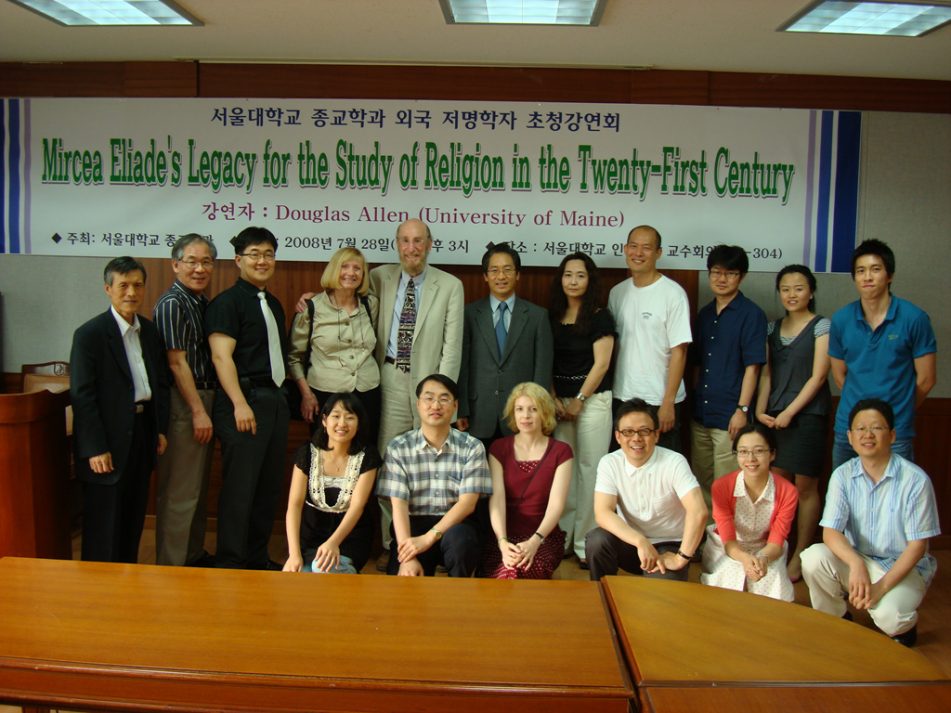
<point>99,79</point>
<point>811,92</point>
<point>369,82</point>
<point>182,79</point>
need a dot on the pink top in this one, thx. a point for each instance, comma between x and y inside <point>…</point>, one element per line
<point>784,508</point>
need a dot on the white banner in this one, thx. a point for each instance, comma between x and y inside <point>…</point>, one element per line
<point>116,176</point>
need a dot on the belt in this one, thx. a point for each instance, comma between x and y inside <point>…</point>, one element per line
<point>389,360</point>
<point>139,407</point>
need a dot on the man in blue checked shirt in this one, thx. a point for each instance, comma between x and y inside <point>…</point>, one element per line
<point>880,512</point>
<point>434,476</point>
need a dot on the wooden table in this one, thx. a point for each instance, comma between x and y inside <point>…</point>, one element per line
<point>683,635</point>
<point>897,698</point>
<point>137,637</point>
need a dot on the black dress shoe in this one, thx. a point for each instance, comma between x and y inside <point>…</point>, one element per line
<point>206,560</point>
<point>908,638</point>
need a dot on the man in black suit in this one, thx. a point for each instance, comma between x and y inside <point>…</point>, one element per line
<point>119,389</point>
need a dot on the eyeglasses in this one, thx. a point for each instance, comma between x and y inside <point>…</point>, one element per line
<point>429,400</point>
<point>496,271</point>
<point>255,256</point>
<point>729,274</point>
<point>760,452</point>
<point>642,432</point>
<point>193,264</point>
<point>874,430</point>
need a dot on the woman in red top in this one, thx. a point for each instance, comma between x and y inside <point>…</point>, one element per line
<point>753,510</point>
<point>531,473</point>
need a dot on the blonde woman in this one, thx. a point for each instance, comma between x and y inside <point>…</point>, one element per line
<point>339,336</point>
<point>531,474</point>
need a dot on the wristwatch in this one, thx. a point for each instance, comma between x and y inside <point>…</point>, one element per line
<point>744,409</point>
<point>437,533</point>
<point>581,397</point>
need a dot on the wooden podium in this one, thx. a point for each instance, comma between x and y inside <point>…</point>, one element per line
<point>34,475</point>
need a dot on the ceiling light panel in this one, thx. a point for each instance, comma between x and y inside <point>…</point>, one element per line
<point>110,12</point>
<point>523,12</point>
<point>871,18</point>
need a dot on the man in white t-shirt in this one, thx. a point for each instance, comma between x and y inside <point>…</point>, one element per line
<point>653,325</point>
<point>648,505</point>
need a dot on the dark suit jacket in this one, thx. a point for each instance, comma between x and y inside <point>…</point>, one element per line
<point>100,384</point>
<point>485,380</point>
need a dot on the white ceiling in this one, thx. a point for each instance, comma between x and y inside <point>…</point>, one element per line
<point>718,35</point>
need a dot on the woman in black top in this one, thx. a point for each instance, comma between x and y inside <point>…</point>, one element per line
<point>332,481</point>
<point>583,334</point>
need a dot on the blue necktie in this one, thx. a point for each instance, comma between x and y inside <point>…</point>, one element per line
<point>500,331</point>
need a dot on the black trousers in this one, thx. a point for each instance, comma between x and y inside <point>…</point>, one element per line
<point>606,552</point>
<point>113,515</point>
<point>458,550</point>
<point>252,475</point>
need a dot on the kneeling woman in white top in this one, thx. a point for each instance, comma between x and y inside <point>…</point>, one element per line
<point>332,481</point>
<point>753,510</point>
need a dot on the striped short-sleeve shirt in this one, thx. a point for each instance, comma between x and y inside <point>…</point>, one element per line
<point>179,316</point>
<point>880,519</point>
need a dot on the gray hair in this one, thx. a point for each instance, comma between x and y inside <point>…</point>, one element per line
<point>178,249</point>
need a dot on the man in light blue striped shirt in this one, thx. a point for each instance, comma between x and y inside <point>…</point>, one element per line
<point>880,512</point>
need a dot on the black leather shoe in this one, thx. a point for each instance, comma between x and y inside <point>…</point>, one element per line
<point>908,638</point>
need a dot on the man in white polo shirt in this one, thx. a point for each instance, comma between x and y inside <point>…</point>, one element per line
<point>648,505</point>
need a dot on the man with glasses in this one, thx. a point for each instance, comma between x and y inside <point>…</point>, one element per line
<point>653,325</point>
<point>245,327</point>
<point>434,476</point>
<point>881,346</point>
<point>880,512</point>
<point>648,505</point>
<point>730,347</point>
<point>506,341</point>
<point>184,468</point>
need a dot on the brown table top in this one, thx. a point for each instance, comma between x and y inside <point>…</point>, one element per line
<point>680,633</point>
<point>248,638</point>
<point>896,698</point>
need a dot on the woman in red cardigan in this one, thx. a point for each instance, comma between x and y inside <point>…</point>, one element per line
<point>753,510</point>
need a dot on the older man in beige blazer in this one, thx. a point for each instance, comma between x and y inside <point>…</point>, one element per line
<point>436,332</point>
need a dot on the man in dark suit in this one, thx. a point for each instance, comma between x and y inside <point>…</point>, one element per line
<point>120,394</point>
<point>505,341</point>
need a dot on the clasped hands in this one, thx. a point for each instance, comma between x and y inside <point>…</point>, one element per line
<point>519,555</point>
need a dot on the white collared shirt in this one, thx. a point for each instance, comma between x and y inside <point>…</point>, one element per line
<point>133,352</point>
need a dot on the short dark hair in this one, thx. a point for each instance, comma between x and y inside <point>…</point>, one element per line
<point>805,272</point>
<point>875,247</point>
<point>883,407</point>
<point>351,403</point>
<point>122,266</point>
<point>757,427</point>
<point>635,406</point>
<point>730,257</point>
<point>495,248</point>
<point>178,249</point>
<point>253,236</point>
<point>651,228</point>
<point>439,379</point>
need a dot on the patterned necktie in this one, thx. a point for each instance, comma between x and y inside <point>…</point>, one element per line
<point>500,331</point>
<point>273,342</point>
<point>404,335</point>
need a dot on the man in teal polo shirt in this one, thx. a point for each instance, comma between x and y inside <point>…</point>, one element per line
<point>881,347</point>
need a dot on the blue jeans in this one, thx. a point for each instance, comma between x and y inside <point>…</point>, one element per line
<point>842,451</point>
